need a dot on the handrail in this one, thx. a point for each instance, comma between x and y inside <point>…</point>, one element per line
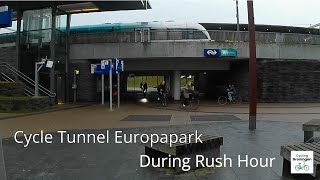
<point>29,93</point>
<point>6,76</point>
<point>27,79</point>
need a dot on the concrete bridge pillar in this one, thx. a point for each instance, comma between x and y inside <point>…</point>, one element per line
<point>167,80</point>
<point>175,85</point>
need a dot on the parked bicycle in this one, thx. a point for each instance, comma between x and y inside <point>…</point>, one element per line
<point>193,102</point>
<point>162,99</point>
<point>236,99</point>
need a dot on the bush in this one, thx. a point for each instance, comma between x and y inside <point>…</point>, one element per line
<point>24,104</point>
<point>11,89</point>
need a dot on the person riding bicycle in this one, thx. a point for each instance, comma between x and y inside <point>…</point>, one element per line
<point>231,90</point>
<point>145,89</point>
<point>188,93</point>
<point>161,90</point>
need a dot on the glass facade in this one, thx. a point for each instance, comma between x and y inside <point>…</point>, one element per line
<point>36,41</point>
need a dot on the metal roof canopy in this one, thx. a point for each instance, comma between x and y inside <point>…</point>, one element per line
<point>74,7</point>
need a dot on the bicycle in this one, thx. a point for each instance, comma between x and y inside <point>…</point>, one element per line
<point>193,102</point>
<point>236,99</point>
<point>302,167</point>
<point>162,100</point>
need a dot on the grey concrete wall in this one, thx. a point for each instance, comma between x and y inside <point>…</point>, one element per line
<point>169,64</point>
<point>86,83</point>
<point>8,55</point>
<point>190,49</point>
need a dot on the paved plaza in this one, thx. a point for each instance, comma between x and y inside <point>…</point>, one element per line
<point>278,124</point>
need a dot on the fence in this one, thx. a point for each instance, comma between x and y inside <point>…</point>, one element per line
<point>167,35</point>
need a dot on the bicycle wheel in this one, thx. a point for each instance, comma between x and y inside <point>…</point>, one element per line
<point>195,103</point>
<point>157,102</point>
<point>306,168</point>
<point>164,102</point>
<point>237,100</point>
<point>181,104</point>
<point>222,100</point>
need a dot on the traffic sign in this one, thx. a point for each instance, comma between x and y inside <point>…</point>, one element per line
<point>97,70</point>
<point>104,63</point>
<point>77,72</point>
<point>220,52</point>
<point>119,65</point>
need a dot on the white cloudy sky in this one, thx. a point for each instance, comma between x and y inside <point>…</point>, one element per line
<point>273,12</point>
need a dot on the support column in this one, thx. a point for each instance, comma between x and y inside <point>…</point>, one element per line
<point>18,35</point>
<point>167,80</point>
<point>52,49</point>
<point>171,84</point>
<point>176,85</point>
<point>67,69</point>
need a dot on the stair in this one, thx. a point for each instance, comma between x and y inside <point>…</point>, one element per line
<point>28,83</point>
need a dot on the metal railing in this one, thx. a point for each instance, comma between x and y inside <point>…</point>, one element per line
<point>191,35</point>
<point>27,80</point>
<point>148,35</point>
<point>8,79</point>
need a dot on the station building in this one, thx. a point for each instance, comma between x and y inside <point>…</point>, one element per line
<point>287,57</point>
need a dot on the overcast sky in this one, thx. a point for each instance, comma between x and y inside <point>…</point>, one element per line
<point>275,12</point>
<point>272,12</point>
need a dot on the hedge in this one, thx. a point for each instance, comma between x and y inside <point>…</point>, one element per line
<point>24,104</point>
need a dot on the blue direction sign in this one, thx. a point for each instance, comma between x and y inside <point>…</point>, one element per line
<point>220,53</point>
<point>117,66</point>
<point>212,52</point>
<point>6,15</point>
<point>97,70</point>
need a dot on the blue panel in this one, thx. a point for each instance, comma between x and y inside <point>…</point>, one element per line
<point>229,53</point>
<point>99,71</point>
<point>220,53</point>
<point>212,52</point>
<point>117,66</point>
<point>6,18</point>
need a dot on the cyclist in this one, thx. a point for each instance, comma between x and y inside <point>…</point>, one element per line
<point>145,89</point>
<point>161,90</point>
<point>188,93</point>
<point>231,90</point>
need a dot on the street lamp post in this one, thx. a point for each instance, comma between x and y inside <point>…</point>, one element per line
<point>252,68</point>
